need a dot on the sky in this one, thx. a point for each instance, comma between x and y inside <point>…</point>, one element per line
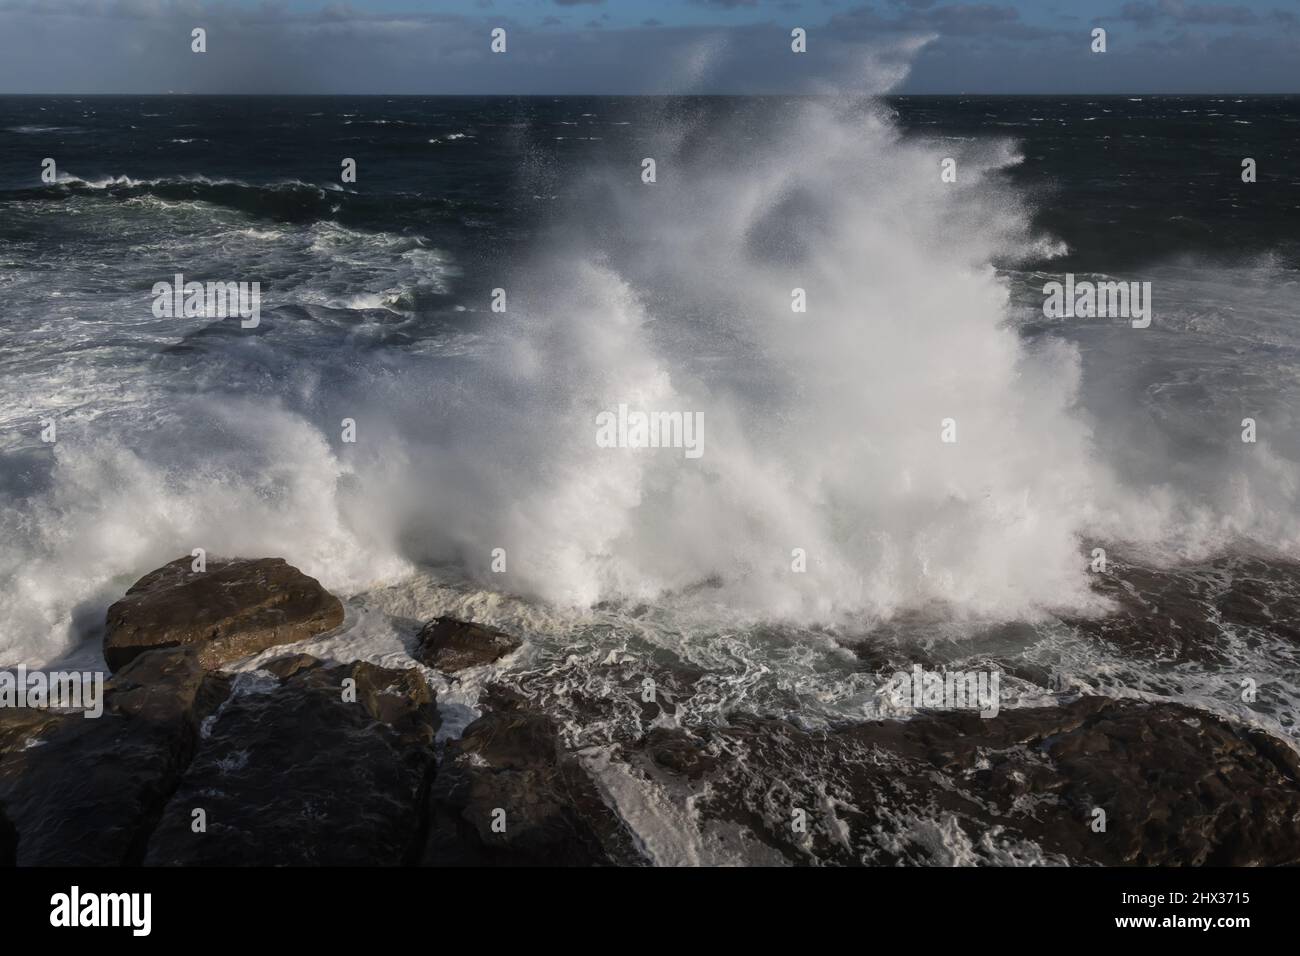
<point>649,46</point>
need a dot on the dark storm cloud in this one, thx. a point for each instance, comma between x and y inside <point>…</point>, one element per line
<point>975,19</point>
<point>988,47</point>
<point>951,20</point>
<point>1149,14</point>
<point>143,46</point>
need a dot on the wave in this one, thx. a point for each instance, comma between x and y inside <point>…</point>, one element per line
<point>380,122</point>
<point>36,130</point>
<point>825,493</point>
<point>284,200</point>
<point>824,429</point>
<point>194,179</point>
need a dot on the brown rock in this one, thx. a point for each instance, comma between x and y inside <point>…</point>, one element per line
<point>675,750</point>
<point>450,645</point>
<point>87,791</point>
<point>297,772</point>
<point>233,609</point>
<point>1196,612</point>
<point>513,761</point>
<point>295,768</point>
<point>1179,788</point>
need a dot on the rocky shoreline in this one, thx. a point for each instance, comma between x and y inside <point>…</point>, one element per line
<point>310,762</point>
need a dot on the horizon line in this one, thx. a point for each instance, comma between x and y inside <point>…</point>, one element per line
<point>663,95</point>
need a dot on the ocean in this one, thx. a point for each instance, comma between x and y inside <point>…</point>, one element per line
<point>827,536</point>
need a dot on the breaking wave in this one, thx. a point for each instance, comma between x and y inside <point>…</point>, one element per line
<point>823,430</point>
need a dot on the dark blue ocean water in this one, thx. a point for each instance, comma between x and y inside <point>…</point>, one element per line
<point>1122,180</point>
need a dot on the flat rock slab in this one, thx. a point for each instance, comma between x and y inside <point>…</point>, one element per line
<point>1178,787</point>
<point>507,794</point>
<point>1197,612</point>
<point>449,645</point>
<point>232,609</point>
<point>307,764</point>
<point>83,791</point>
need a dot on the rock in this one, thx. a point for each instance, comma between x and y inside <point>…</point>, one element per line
<point>512,761</point>
<point>8,840</point>
<point>86,791</point>
<point>1178,787</point>
<point>1197,612</point>
<point>1264,595</point>
<point>497,696</point>
<point>449,645</point>
<point>675,750</point>
<point>233,609</point>
<point>288,772</point>
<point>289,769</point>
<point>628,698</point>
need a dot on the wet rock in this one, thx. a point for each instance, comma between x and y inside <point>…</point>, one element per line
<point>8,840</point>
<point>1264,595</point>
<point>233,609</point>
<point>677,751</point>
<point>449,645</point>
<point>300,768</point>
<point>86,791</point>
<point>1178,787</point>
<point>1181,614</point>
<point>604,699</point>
<point>508,794</point>
<point>1159,615</point>
<point>497,696</point>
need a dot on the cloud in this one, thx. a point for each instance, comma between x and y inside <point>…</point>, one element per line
<point>1288,19</point>
<point>954,20</point>
<point>1148,14</point>
<point>143,46</point>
